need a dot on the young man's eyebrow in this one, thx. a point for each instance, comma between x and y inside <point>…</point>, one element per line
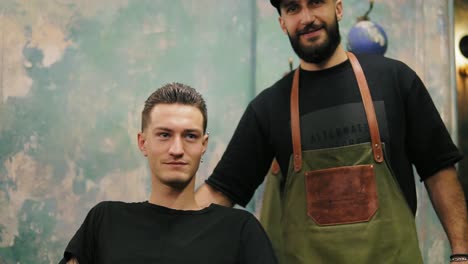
<point>193,130</point>
<point>162,128</point>
<point>188,130</point>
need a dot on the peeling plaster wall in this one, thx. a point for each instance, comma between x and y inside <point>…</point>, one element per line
<point>74,76</point>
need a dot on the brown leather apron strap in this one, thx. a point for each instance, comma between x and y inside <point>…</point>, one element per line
<point>368,107</point>
<point>275,168</point>
<point>295,125</point>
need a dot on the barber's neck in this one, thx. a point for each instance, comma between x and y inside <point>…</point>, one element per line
<point>338,57</point>
<point>174,198</point>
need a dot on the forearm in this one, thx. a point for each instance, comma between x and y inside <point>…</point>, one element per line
<point>449,203</point>
<point>73,261</point>
<point>206,195</point>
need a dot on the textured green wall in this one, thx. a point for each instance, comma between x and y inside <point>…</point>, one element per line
<point>74,76</point>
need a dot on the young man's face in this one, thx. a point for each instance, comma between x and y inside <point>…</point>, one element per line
<point>312,27</point>
<point>174,142</point>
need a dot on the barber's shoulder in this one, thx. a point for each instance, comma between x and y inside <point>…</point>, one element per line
<point>379,63</point>
<point>283,83</point>
<point>374,59</point>
<point>105,206</point>
<point>233,212</point>
<point>277,91</point>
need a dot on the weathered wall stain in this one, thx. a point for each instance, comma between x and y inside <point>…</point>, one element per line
<point>74,76</point>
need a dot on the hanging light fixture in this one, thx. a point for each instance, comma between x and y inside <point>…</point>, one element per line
<point>367,36</point>
<point>463,46</point>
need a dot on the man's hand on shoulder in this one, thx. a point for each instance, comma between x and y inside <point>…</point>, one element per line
<point>206,195</point>
<point>73,261</point>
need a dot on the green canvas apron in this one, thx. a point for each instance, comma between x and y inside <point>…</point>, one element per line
<point>339,205</point>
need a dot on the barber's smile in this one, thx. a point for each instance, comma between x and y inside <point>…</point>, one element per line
<point>311,32</point>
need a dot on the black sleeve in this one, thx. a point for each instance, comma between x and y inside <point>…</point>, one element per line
<point>82,245</point>
<point>245,162</point>
<point>429,144</point>
<point>255,246</point>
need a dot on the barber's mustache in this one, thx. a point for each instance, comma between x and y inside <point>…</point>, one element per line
<point>310,27</point>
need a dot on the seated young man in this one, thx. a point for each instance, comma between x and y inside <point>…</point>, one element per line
<point>170,227</point>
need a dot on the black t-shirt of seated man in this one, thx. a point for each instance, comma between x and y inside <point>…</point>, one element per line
<point>117,232</point>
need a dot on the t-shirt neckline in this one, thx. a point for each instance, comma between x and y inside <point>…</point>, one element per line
<point>168,210</point>
<point>343,66</point>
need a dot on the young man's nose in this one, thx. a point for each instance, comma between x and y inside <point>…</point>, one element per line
<point>177,147</point>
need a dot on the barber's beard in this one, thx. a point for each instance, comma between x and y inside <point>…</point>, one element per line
<point>320,52</point>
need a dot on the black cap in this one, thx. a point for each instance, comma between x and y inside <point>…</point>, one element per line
<point>275,3</point>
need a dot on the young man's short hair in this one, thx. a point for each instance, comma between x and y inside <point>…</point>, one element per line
<point>174,93</point>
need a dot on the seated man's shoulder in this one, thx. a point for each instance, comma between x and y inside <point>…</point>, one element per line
<point>103,205</point>
<point>106,207</point>
<point>232,213</point>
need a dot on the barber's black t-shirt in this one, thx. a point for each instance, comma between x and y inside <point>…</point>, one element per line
<point>332,115</point>
<point>117,232</point>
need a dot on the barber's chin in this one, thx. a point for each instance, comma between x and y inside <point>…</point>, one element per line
<point>313,43</point>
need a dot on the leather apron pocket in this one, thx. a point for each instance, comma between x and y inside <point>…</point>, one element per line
<point>341,195</point>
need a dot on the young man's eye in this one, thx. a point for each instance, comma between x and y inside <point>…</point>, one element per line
<point>191,136</point>
<point>315,2</point>
<point>163,135</point>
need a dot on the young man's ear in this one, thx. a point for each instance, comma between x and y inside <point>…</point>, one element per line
<point>205,142</point>
<point>142,143</point>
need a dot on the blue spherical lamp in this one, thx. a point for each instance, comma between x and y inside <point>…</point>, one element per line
<point>367,36</point>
